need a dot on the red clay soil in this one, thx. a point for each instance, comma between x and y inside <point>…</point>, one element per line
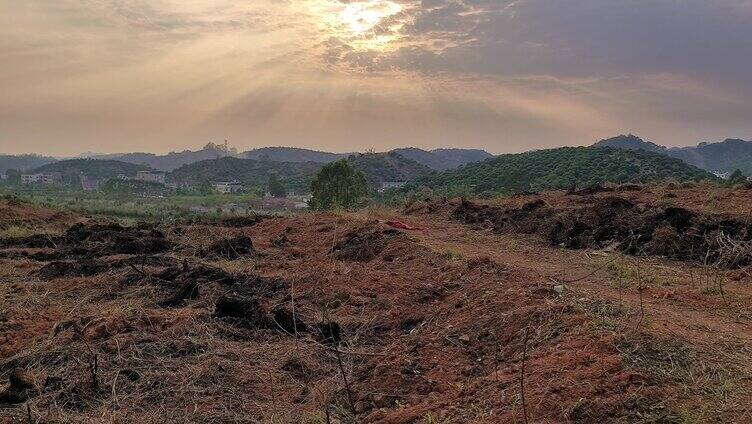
<point>340,318</point>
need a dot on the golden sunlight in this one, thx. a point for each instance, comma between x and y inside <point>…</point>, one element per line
<point>363,25</point>
<point>365,16</point>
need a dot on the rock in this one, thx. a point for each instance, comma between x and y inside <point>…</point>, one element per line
<point>559,288</point>
<point>464,338</point>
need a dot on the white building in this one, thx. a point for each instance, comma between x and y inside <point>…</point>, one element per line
<point>386,185</point>
<point>151,176</point>
<point>42,178</point>
<point>228,187</point>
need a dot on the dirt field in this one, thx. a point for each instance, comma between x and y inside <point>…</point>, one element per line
<point>628,305</point>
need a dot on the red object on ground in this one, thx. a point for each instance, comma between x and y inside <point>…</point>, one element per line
<point>401,225</point>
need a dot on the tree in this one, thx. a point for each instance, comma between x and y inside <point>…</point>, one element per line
<point>337,185</point>
<point>275,186</point>
<point>737,177</point>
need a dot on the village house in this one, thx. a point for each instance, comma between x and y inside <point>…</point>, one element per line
<point>89,184</point>
<point>47,178</point>
<point>176,186</point>
<point>151,176</point>
<point>386,185</point>
<point>723,175</point>
<point>225,187</point>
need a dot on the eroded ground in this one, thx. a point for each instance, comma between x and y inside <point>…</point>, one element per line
<point>341,318</point>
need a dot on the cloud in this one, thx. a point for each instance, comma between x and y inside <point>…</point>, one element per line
<point>507,75</point>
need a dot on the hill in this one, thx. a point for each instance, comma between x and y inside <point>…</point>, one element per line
<point>630,142</point>
<point>443,159</point>
<point>23,162</point>
<point>296,176</point>
<point>562,168</point>
<point>93,168</point>
<point>725,156</point>
<point>438,159</point>
<point>381,167</point>
<point>172,160</point>
<point>292,154</point>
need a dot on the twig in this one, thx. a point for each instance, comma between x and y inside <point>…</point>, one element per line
<point>640,289</point>
<point>590,274</point>
<point>522,376</point>
<point>93,365</point>
<point>344,379</point>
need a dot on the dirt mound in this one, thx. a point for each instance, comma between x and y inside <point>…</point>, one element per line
<point>589,191</point>
<point>599,222</point>
<point>363,245</point>
<point>21,387</point>
<point>288,321</point>
<point>233,222</point>
<point>241,221</point>
<point>230,249</point>
<point>83,268</point>
<point>249,312</point>
<point>33,241</point>
<point>15,212</point>
<point>113,239</point>
<point>200,273</point>
<point>526,219</point>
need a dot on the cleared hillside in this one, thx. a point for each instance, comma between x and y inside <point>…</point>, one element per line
<point>564,168</point>
<point>568,300</point>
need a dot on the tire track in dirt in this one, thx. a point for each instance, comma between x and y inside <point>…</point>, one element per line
<point>720,335</point>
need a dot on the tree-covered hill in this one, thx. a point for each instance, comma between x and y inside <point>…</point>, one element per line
<point>296,176</point>
<point>252,173</point>
<point>382,167</point>
<point>562,168</point>
<point>630,142</point>
<point>92,168</point>
<point>172,160</point>
<point>443,159</point>
<point>725,156</point>
<point>23,162</point>
<point>292,154</point>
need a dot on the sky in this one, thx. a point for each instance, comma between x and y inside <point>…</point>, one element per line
<point>348,75</point>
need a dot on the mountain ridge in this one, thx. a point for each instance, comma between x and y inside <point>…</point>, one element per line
<point>724,156</point>
<point>563,168</point>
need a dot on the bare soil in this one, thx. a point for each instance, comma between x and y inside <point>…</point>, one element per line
<point>583,307</point>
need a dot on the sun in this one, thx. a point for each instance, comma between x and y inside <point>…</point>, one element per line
<point>364,25</point>
<point>362,17</point>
